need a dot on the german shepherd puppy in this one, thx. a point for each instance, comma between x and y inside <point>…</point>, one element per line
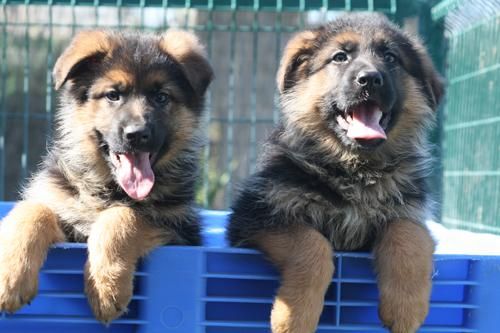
<point>346,170</point>
<point>121,171</point>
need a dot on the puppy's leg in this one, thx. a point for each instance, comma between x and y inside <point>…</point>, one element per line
<point>117,240</point>
<point>403,260</point>
<point>25,237</point>
<point>304,258</point>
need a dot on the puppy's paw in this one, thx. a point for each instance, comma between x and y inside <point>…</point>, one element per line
<point>301,317</point>
<point>281,317</point>
<point>403,314</point>
<point>25,237</point>
<point>108,291</point>
<point>17,286</point>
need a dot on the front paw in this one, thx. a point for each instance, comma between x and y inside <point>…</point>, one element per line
<point>109,290</point>
<point>18,286</point>
<point>403,314</point>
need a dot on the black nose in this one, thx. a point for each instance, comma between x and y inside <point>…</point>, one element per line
<point>370,79</point>
<point>137,134</point>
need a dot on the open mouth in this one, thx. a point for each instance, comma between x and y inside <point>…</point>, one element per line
<point>134,172</point>
<point>363,122</point>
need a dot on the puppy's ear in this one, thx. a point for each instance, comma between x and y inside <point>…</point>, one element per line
<point>86,46</point>
<point>297,51</point>
<point>436,85</point>
<point>189,52</point>
<point>433,82</point>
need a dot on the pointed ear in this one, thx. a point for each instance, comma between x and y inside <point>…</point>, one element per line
<point>434,86</point>
<point>86,46</point>
<point>433,80</point>
<point>189,52</point>
<point>297,51</point>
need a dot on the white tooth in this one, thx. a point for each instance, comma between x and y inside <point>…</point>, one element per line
<point>115,159</point>
<point>379,115</point>
<point>341,121</point>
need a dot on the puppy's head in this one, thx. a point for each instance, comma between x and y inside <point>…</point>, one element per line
<point>136,98</point>
<point>359,79</point>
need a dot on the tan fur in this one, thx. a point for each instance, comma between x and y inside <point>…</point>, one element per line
<point>347,37</point>
<point>156,78</point>
<point>304,258</point>
<point>417,118</point>
<point>112,79</point>
<point>435,82</point>
<point>117,240</point>
<point>403,260</point>
<point>25,237</point>
<point>299,42</point>
<point>82,211</point>
<point>187,49</point>
<point>120,77</point>
<point>84,44</point>
<point>183,124</point>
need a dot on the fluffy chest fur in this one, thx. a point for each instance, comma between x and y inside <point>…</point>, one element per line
<point>350,208</point>
<point>79,189</point>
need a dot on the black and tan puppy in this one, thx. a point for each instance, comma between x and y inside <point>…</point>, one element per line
<point>121,171</point>
<point>346,170</point>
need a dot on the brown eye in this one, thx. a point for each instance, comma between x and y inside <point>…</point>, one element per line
<point>113,96</point>
<point>340,57</point>
<point>390,57</point>
<point>161,98</point>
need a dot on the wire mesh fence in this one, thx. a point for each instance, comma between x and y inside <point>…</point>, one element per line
<point>471,145</point>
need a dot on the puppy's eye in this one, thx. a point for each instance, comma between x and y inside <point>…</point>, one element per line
<point>340,56</point>
<point>113,96</point>
<point>390,57</point>
<point>161,98</point>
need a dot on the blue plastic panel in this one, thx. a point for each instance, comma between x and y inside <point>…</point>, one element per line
<point>222,290</point>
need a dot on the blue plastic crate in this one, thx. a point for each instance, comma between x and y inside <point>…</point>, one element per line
<point>215,289</point>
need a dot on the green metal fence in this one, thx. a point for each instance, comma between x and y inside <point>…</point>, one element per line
<point>244,39</point>
<point>471,145</point>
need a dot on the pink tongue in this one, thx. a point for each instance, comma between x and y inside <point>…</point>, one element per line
<point>365,123</point>
<point>135,175</point>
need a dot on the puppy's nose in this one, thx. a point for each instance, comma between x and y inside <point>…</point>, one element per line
<point>137,134</point>
<point>370,79</point>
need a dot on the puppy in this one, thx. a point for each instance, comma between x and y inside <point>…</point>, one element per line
<point>346,170</point>
<point>121,171</point>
